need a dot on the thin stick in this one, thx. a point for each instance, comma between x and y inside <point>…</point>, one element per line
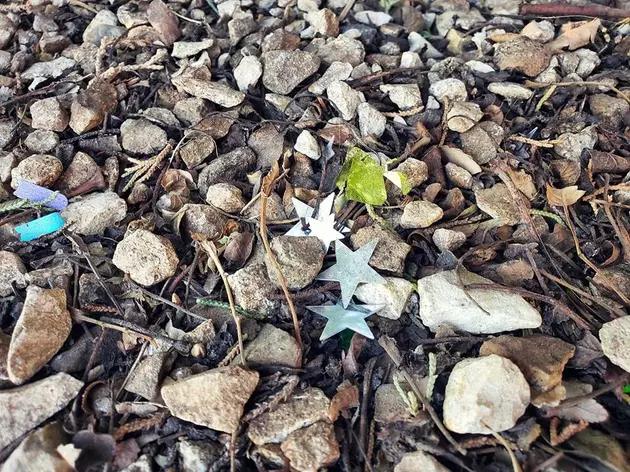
<point>168,302</point>
<point>531,84</point>
<point>564,9</point>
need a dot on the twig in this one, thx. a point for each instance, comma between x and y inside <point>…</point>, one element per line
<point>167,302</point>
<point>531,84</point>
<point>239,309</point>
<point>565,9</point>
<point>365,402</point>
<point>574,401</point>
<point>449,339</point>
<point>515,465</point>
<point>346,10</point>
<point>19,216</point>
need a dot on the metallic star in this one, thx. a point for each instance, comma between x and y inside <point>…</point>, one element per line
<point>340,318</point>
<point>351,269</point>
<point>322,227</point>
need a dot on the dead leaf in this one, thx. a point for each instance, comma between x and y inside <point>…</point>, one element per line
<point>568,171</point>
<point>587,410</point>
<point>602,446</point>
<point>523,181</point>
<point>608,162</point>
<point>503,37</point>
<point>587,350</point>
<point>349,360</point>
<point>347,397</point>
<point>577,37</point>
<point>239,249</point>
<point>566,196</point>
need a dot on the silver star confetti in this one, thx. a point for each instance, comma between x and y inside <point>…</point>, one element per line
<point>322,227</point>
<point>340,318</point>
<point>351,269</point>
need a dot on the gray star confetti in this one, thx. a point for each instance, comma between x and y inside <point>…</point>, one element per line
<point>340,318</point>
<point>351,269</point>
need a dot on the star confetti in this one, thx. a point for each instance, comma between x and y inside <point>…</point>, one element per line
<point>322,227</point>
<point>340,318</point>
<point>351,269</point>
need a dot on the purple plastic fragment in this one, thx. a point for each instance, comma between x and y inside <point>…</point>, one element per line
<point>36,193</point>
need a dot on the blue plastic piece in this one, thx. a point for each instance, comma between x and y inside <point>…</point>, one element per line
<point>40,227</point>
<point>36,193</point>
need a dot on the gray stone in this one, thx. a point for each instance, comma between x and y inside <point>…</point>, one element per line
<point>345,99</point>
<point>373,18</point>
<point>145,379</point>
<point>7,29</point>
<point>479,145</point>
<point>6,132</point>
<point>453,90</point>
<point>146,257</point>
<point>38,452</point>
<point>307,144</point>
<point>337,71</point>
<point>463,115</point>
<point>459,176</point>
<point>7,164</point>
<point>23,408</point>
<point>40,169</point>
<point>394,294</point>
<point>510,90</point>
<point>48,114</point>
<point>226,197</point>
<point>252,289</point>
<point>448,239</point>
<point>610,110</point>
<point>273,347</point>
<point>268,144</point>
<point>48,70</point>
<point>419,461</point>
<point>285,70</point>
<point>183,49</point>
<point>420,214</point>
<point>5,61</point>
<point>410,60</point>
<point>142,137</point>
<point>444,303</point>
<point>248,72</point>
<point>205,220</point>
<point>94,213</point>
<point>240,27</point>
<point>201,87</point>
<point>214,399</point>
<point>371,121</point>
<point>390,252</point>
<point>226,167</point>
<point>191,110</point>
<point>341,49</point>
<point>197,149</point>
<point>615,338</point>
<point>300,260</point>
<point>162,115</point>
<point>589,60</point>
<point>417,43</point>
<point>571,145</point>
<point>405,96</point>
<point>41,141</point>
<point>131,14</point>
<point>416,171</point>
<point>12,272</point>
<point>103,25</point>
<point>312,448</point>
<point>485,395</point>
<point>198,456</point>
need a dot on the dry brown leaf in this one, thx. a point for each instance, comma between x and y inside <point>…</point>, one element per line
<point>566,196</point>
<point>577,37</point>
<point>568,171</point>
<point>523,181</point>
<point>239,249</point>
<point>502,38</point>
<point>347,396</point>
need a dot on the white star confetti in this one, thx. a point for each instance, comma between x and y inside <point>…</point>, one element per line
<point>322,227</point>
<point>340,318</point>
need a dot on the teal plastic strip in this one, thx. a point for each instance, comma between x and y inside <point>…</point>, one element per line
<point>40,227</point>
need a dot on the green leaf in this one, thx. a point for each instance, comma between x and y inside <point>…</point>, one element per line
<point>626,389</point>
<point>399,179</point>
<point>362,178</point>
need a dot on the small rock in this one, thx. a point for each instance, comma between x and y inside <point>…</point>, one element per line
<point>38,452</point>
<point>589,60</point>
<point>226,197</point>
<point>345,99</point>
<point>48,70</point>
<point>252,289</point>
<point>41,330</point>
<point>197,149</point>
<point>300,260</point>
<point>226,167</point>
<point>140,193</point>
<point>48,114</point>
<point>201,87</point>
<point>147,258</point>
<point>142,137</point>
<point>280,39</point>
<point>281,102</point>
<point>273,347</point>
<point>324,22</point>
<point>373,18</point>
<point>191,110</point>
<point>285,70</point>
<point>7,29</point>
<point>341,49</point>
<point>81,171</point>
<point>540,358</point>
<point>23,408</point>
<point>443,303</point>
<point>453,90</point>
<point>477,142</point>
<point>571,145</point>
<point>12,272</point>
<point>522,55</point>
<point>6,132</point>
<point>416,171</point>
<point>103,25</point>
<point>205,220</point>
<point>510,90</point>
<point>130,15</point>
<point>40,169</point>
<point>448,239</point>
<point>307,144</point>
<point>247,73</point>
<point>389,406</point>
<point>198,456</point>
<point>311,448</point>
<point>513,273</point>
<point>615,338</point>
<point>302,409</point>
<point>240,27</point>
<point>371,121</point>
<point>162,115</point>
<point>7,164</point>
<point>410,60</point>
<point>463,115</point>
<point>145,379</point>
<point>41,141</point>
<point>394,294</point>
<point>214,399</point>
<point>164,21</point>
<point>268,144</point>
<point>498,203</point>
<point>417,43</point>
<point>143,464</point>
<point>479,67</point>
<point>94,213</point>
<point>183,49</point>
<point>337,71</point>
<point>420,214</point>
<point>610,110</point>
<point>459,176</point>
<point>91,105</point>
<point>404,96</point>
<point>542,31</point>
<point>390,252</point>
<point>419,461</point>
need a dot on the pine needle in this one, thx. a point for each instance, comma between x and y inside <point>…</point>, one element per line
<point>24,203</point>
<point>240,310</point>
<point>142,170</point>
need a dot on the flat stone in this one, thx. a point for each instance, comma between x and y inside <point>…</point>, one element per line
<point>41,330</point>
<point>164,21</point>
<point>371,121</point>
<point>324,22</point>
<point>615,338</point>
<point>373,18</point>
<point>404,96</point>
<point>540,358</point>
<point>510,90</point>
<point>484,395</point>
<point>300,260</point>
<point>522,55</point>
<point>337,71</point>
<point>231,166</point>
<point>463,115</point>
<point>394,294</point>
<point>205,220</point>
<point>571,145</point>
<point>302,409</point>
<point>419,44</point>
<point>252,289</point>
<point>240,27</point>
<point>420,214</point>
<point>610,110</point>
<point>410,60</point>
<point>142,137</point>
<point>312,448</point>
<point>448,239</point>
<point>200,86</point>
<point>91,105</point>
<point>7,29</point>
<point>443,303</point>
<point>345,99</point>
<point>161,115</point>
<point>103,25</point>
<point>38,451</point>
<point>6,132</point>
<point>48,114</point>
<point>390,252</point>
<point>307,144</point>
<point>452,90</point>
<point>182,49</point>
<point>226,197</point>
<point>48,70</point>
<point>416,171</point>
<point>7,164</point>
<point>419,461</point>
<point>41,141</point>
<point>40,169</point>
<point>146,257</point>
<point>23,408</point>
<point>273,347</point>
<point>285,70</point>
<point>214,399</point>
<point>145,379</point>
<point>94,213</point>
<point>479,144</point>
<point>248,72</point>
<point>389,407</point>
<point>191,110</point>
<point>197,149</point>
<point>459,176</point>
<point>268,144</point>
<point>81,172</point>
<point>498,203</point>
<point>341,49</point>
<point>12,271</point>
